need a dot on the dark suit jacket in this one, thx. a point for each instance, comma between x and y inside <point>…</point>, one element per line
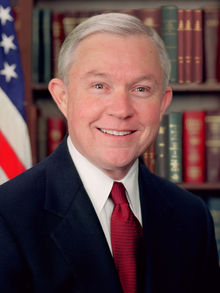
<point>51,239</point>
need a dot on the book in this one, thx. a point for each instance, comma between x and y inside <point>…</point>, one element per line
<point>149,158</point>
<point>47,45</point>
<point>151,17</point>
<point>169,36</point>
<point>37,49</point>
<point>188,45</point>
<point>211,23</point>
<point>70,21</point>
<point>161,149</point>
<point>175,146</point>
<point>57,38</point>
<point>180,34</point>
<point>194,146</point>
<point>56,128</point>
<point>218,50</point>
<point>197,61</point>
<point>212,144</point>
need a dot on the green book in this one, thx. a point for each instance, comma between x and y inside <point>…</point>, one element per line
<point>175,146</point>
<point>169,14</point>
<point>47,47</point>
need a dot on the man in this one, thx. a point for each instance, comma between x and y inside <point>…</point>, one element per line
<point>55,231</point>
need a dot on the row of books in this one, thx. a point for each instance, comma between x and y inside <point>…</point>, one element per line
<point>187,148</point>
<point>214,207</point>
<point>50,127</point>
<point>191,37</point>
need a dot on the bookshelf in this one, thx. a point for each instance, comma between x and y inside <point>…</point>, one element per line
<point>207,93</point>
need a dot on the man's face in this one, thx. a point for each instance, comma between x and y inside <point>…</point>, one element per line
<point>114,100</point>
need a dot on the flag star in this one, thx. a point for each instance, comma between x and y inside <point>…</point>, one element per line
<point>7,43</point>
<point>5,15</point>
<point>9,71</point>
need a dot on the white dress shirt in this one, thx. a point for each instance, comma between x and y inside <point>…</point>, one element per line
<point>98,187</point>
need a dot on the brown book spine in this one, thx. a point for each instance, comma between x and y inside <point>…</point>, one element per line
<point>70,21</point>
<point>181,78</point>
<point>218,51</point>
<point>151,17</point>
<point>188,43</point>
<point>57,38</point>
<point>212,121</point>
<point>149,158</point>
<point>55,132</point>
<point>211,22</point>
<point>197,46</point>
<point>161,149</point>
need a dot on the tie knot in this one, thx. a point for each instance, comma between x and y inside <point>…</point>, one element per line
<point>118,193</point>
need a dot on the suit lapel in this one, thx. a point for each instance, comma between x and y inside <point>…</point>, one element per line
<point>79,235</point>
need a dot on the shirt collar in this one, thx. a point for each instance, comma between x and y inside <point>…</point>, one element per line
<point>98,185</point>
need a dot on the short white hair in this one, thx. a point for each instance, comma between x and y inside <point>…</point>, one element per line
<point>116,23</point>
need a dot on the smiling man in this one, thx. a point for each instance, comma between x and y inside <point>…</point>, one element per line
<point>91,218</point>
<point>113,99</point>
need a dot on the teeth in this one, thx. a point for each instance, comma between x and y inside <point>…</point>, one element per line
<point>114,132</point>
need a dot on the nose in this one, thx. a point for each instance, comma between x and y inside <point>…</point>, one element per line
<point>120,104</point>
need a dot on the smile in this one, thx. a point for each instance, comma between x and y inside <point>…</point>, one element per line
<point>114,132</point>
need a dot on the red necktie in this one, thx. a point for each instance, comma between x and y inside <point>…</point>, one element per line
<point>126,236</point>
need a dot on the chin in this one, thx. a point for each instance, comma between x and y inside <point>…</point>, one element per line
<point>119,164</point>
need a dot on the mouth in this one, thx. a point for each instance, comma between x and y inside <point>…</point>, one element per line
<point>115,132</point>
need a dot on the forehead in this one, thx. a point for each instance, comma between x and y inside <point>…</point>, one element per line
<point>116,52</point>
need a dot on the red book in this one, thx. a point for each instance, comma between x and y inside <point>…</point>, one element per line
<point>151,17</point>
<point>197,62</point>
<point>188,45</point>
<point>213,145</point>
<point>194,146</point>
<point>57,38</point>
<point>180,34</point>
<point>55,132</point>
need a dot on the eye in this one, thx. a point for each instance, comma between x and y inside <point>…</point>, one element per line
<point>142,89</point>
<point>99,86</point>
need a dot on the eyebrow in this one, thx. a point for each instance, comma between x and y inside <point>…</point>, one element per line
<point>148,77</point>
<point>95,73</point>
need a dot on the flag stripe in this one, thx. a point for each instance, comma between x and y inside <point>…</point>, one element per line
<point>8,159</point>
<point>17,137</point>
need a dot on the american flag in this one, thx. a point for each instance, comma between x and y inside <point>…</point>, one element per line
<point>15,153</point>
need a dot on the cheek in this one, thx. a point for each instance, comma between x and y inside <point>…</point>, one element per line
<point>82,111</point>
<point>150,114</point>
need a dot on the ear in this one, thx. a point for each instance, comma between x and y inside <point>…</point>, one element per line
<point>166,100</point>
<point>58,91</point>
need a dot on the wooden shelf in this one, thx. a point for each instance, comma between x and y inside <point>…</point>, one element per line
<point>39,86</point>
<point>195,87</point>
<point>201,186</point>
